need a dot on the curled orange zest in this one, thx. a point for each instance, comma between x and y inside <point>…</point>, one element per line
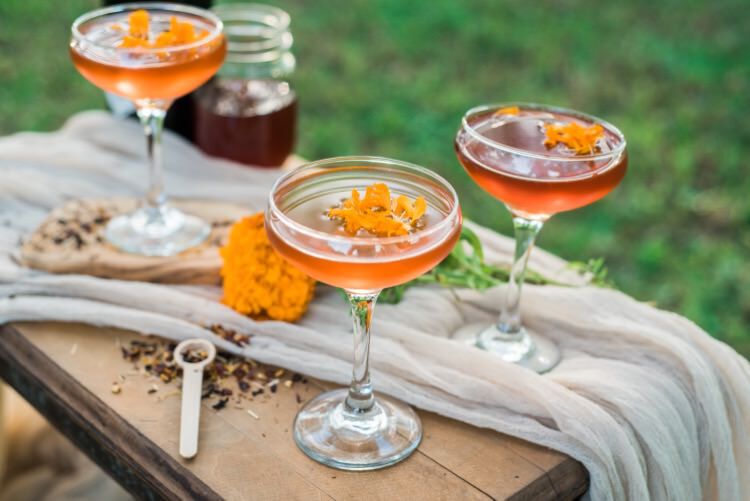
<point>257,281</point>
<point>508,110</point>
<point>582,140</point>
<point>378,213</point>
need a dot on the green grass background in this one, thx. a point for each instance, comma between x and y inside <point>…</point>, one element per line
<point>393,78</point>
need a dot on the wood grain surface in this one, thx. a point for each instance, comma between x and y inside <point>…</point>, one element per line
<point>67,372</point>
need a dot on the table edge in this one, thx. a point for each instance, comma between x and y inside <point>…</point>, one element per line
<point>94,427</point>
<point>121,450</point>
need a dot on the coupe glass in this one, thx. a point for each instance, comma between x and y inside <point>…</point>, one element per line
<point>502,148</point>
<point>152,78</point>
<point>351,429</point>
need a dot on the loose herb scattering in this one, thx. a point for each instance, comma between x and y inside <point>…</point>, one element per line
<point>220,404</point>
<point>77,225</point>
<point>194,356</point>
<point>465,268</point>
<point>227,378</point>
<point>232,336</point>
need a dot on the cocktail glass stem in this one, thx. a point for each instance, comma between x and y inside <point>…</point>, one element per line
<point>508,338</point>
<point>152,120</point>
<point>349,428</point>
<point>360,397</point>
<point>526,231</point>
<point>155,229</point>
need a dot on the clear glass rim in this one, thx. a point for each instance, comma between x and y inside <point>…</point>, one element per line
<point>218,25</point>
<point>447,221</point>
<point>275,20</point>
<point>465,125</point>
<point>242,12</point>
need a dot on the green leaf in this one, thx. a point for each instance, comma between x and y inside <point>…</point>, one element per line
<point>464,267</point>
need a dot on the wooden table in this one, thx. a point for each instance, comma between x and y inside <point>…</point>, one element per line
<point>67,370</point>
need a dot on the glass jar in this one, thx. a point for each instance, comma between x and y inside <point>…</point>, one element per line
<point>248,112</point>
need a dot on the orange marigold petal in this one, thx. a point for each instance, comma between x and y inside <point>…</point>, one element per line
<point>355,199</point>
<point>403,207</point>
<point>377,196</point>
<point>138,32</point>
<point>183,32</point>
<point>165,39</point>
<point>420,207</point>
<point>129,42</point>
<point>378,213</point>
<point>508,110</point>
<point>582,140</point>
<point>138,21</point>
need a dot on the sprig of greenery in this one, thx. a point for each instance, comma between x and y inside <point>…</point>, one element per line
<point>465,268</point>
<point>597,269</point>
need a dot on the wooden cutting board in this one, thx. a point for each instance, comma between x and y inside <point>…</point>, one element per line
<point>71,240</point>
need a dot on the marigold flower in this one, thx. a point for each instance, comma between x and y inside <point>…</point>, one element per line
<point>257,281</point>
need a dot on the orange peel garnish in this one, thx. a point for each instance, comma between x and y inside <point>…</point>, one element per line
<point>582,140</point>
<point>378,213</point>
<point>138,32</point>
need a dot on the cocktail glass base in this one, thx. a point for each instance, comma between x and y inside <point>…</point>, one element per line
<point>150,231</point>
<point>332,433</point>
<point>523,348</point>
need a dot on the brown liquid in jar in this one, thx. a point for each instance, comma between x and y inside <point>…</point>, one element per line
<point>249,121</point>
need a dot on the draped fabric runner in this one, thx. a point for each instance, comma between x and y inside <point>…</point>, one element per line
<point>652,406</point>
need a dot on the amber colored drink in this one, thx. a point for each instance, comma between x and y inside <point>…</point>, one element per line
<point>546,181</point>
<point>163,75</point>
<point>251,122</point>
<point>323,249</point>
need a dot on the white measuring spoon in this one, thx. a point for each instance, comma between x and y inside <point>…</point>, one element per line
<point>192,387</point>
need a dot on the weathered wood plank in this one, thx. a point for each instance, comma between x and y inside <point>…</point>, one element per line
<point>241,457</point>
<point>136,463</point>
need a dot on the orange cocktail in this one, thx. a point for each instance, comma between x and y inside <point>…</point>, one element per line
<point>538,160</point>
<point>148,72</point>
<point>323,249</point>
<point>151,54</point>
<point>541,181</point>
<point>362,224</point>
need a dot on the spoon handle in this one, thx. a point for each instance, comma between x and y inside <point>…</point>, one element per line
<point>192,381</point>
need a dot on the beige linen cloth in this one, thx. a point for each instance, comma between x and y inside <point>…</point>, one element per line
<point>652,405</point>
